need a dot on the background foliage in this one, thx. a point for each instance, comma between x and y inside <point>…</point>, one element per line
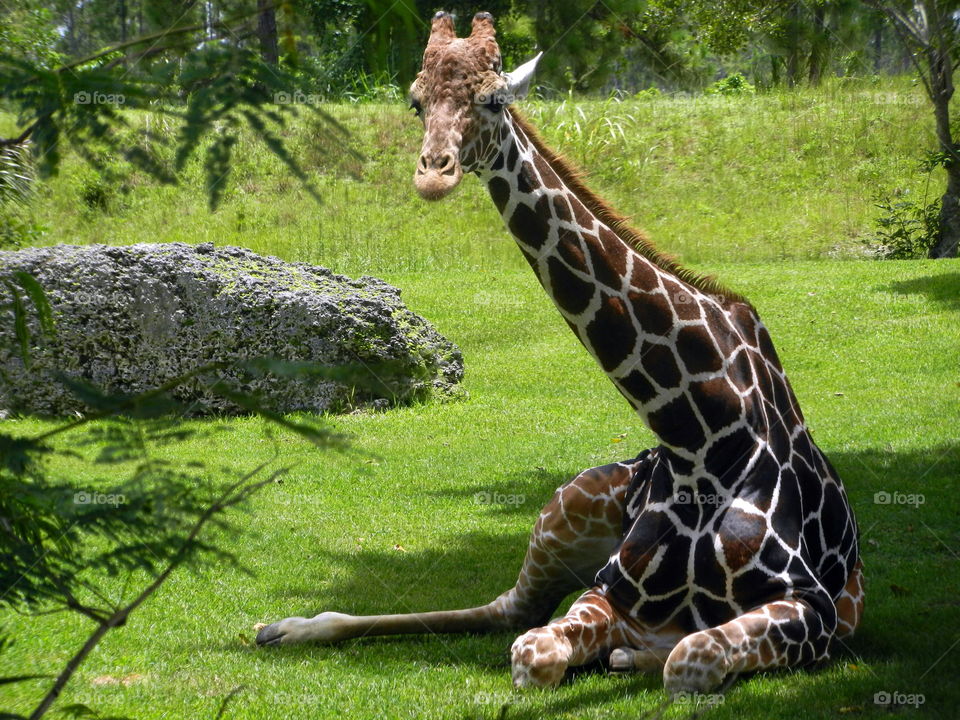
<point>627,44</point>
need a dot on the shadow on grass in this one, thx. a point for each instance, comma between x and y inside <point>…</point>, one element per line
<point>512,494</point>
<point>943,289</point>
<point>463,571</point>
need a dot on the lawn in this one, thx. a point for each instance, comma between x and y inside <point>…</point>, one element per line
<point>872,349</point>
<point>773,176</point>
<point>782,183</point>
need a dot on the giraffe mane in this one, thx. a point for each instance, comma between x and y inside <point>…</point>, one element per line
<point>573,179</point>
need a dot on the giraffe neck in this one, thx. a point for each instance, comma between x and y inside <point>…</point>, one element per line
<point>651,331</point>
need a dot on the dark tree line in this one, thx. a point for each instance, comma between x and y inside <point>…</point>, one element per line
<point>589,42</point>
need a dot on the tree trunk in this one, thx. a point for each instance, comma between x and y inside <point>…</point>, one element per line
<point>818,44</point>
<point>267,31</point>
<point>877,47</point>
<point>930,38</point>
<point>949,216</point>
<point>940,65</point>
<point>793,45</point>
<point>72,32</point>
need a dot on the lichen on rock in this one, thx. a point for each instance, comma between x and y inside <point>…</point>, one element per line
<point>129,319</point>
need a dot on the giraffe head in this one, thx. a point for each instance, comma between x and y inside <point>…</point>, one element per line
<point>460,94</point>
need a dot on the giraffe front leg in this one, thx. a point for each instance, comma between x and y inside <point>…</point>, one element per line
<point>540,657</point>
<point>784,633</point>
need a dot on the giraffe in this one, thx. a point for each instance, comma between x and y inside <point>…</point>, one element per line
<point>728,548</point>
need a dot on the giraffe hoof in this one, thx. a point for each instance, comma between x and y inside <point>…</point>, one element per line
<point>327,627</point>
<point>621,660</point>
<point>272,634</point>
<point>628,659</point>
<point>286,632</point>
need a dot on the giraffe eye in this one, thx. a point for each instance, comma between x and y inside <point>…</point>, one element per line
<point>494,102</point>
<point>416,107</point>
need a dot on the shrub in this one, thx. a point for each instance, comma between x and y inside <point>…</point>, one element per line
<point>735,84</point>
<point>16,189</point>
<point>906,229</point>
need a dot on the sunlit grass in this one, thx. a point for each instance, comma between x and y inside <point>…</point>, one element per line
<point>772,176</point>
<point>872,351</point>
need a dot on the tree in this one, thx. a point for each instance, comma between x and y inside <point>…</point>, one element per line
<point>267,32</point>
<point>803,41</point>
<point>928,29</point>
<point>60,540</point>
<point>581,40</point>
<point>214,88</point>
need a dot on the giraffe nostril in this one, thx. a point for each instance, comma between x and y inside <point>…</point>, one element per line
<point>422,164</point>
<point>447,164</point>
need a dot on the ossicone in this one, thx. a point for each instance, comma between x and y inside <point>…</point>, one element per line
<point>441,28</point>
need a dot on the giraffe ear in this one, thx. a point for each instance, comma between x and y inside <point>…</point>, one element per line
<point>518,81</point>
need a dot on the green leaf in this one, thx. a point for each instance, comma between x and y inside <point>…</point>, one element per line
<point>39,299</point>
<point>21,330</point>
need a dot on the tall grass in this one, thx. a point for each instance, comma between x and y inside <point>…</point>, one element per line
<point>784,174</point>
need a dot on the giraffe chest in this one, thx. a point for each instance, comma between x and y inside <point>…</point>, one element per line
<point>682,546</point>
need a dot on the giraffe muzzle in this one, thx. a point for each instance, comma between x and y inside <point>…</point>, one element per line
<point>437,174</point>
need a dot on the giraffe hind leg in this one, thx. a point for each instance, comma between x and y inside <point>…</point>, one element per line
<point>572,539</point>
<point>649,658</point>
<point>850,603</point>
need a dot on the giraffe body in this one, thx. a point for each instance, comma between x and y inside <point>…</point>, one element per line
<point>730,547</point>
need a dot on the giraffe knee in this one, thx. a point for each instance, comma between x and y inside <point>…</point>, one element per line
<point>697,664</point>
<point>539,658</point>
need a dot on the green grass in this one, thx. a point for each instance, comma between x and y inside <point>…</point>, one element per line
<point>872,350</point>
<point>780,175</point>
<point>753,189</point>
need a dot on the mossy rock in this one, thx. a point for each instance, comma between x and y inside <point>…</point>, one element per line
<point>129,319</point>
